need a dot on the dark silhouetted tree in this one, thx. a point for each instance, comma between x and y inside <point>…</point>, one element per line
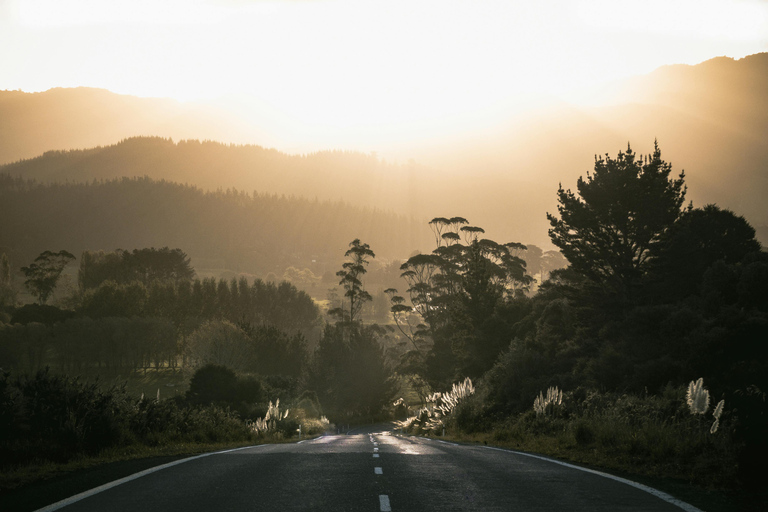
<point>351,279</point>
<point>698,239</point>
<point>7,293</point>
<point>608,230</point>
<point>43,274</point>
<point>349,372</point>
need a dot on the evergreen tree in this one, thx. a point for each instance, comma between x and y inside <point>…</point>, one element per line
<point>607,231</point>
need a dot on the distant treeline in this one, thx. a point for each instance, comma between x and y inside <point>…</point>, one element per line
<point>118,327</point>
<point>230,229</point>
<point>354,177</point>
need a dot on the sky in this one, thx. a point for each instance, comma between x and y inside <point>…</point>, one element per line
<point>351,65</point>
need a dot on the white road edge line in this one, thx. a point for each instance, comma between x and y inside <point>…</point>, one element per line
<point>96,490</point>
<point>650,490</point>
<point>384,503</point>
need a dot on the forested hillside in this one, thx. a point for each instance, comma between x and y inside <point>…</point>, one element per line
<point>710,116</point>
<point>239,231</point>
<point>352,177</point>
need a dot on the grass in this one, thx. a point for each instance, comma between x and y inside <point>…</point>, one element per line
<point>707,498</point>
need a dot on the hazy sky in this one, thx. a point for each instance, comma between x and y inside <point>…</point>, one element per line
<point>352,63</point>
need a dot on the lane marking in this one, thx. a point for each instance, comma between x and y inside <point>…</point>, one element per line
<point>375,455</point>
<point>375,449</point>
<point>96,490</point>
<point>650,490</point>
<point>384,503</point>
<point>378,471</point>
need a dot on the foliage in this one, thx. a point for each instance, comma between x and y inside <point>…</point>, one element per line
<point>218,342</point>
<point>109,345</point>
<point>622,209</point>
<point>547,405</point>
<point>142,265</point>
<point>439,410</point>
<point>458,291</point>
<point>111,299</point>
<point>7,291</point>
<point>276,353</point>
<point>271,422</point>
<point>252,232</point>
<point>217,384</point>
<point>699,238</point>
<point>351,274</point>
<point>52,417</point>
<point>279,306</point>
<point>350,374</point>
<point>697,397</point>
<point>43,274</point>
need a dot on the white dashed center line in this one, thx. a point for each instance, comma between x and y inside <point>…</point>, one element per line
<point>375,449</point>
<point>375,455</point>
<point>378,471</point>
<point>384,503</point>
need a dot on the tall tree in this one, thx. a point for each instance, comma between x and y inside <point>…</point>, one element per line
<point>43,274</point>
<point>608,230</point>
<point>456,291</point>
<point>350,374</point>
<point>7,293</point>
<point>351,279</point>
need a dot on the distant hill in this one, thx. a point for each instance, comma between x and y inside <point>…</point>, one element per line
<point>238,231</point>
<point>333,175</point>
<point>710,119</point>
<point>82,117</point>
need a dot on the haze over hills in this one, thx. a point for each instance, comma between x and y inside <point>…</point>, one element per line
<point>223,230</point>
<point>709,119</point>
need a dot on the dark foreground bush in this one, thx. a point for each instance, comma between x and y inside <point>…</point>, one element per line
<point>54,417</point>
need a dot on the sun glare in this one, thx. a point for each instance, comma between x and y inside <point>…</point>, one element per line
<point>344,66</point>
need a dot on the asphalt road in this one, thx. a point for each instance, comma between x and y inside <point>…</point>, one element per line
<point>370,471</point>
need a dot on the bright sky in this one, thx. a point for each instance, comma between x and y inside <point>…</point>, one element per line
<point>348,64</point>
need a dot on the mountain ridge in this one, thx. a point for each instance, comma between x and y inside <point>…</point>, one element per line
<point>709,119</point>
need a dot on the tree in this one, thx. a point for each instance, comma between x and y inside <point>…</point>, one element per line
<point>144,265</point>
<point>349,372</point>
<point>456,291</point>
<point>43,274</point>
<point>698,239</point>
<point>7,293</point>
<point>219,342</point>
<point>608,230</point>
<point>350,275</point>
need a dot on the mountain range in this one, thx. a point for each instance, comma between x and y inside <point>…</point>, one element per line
<point>709,119</point>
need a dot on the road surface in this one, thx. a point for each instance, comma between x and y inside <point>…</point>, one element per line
<point>370,471</point>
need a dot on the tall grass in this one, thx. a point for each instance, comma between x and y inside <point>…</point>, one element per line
<point>652,434</point>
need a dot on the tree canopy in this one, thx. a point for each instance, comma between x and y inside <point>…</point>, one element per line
<point>43,274</point>
<point>608,227</point>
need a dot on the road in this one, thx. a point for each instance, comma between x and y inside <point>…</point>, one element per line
<point>370,471</point>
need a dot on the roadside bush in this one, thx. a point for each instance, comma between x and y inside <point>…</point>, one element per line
<point>57,417</point>
<point>54,417</point>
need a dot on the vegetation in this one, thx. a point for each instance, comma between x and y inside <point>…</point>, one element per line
<point>245,232</point>
<point>605,363</point>
<point>43,274</point>
<point>601,357</point>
